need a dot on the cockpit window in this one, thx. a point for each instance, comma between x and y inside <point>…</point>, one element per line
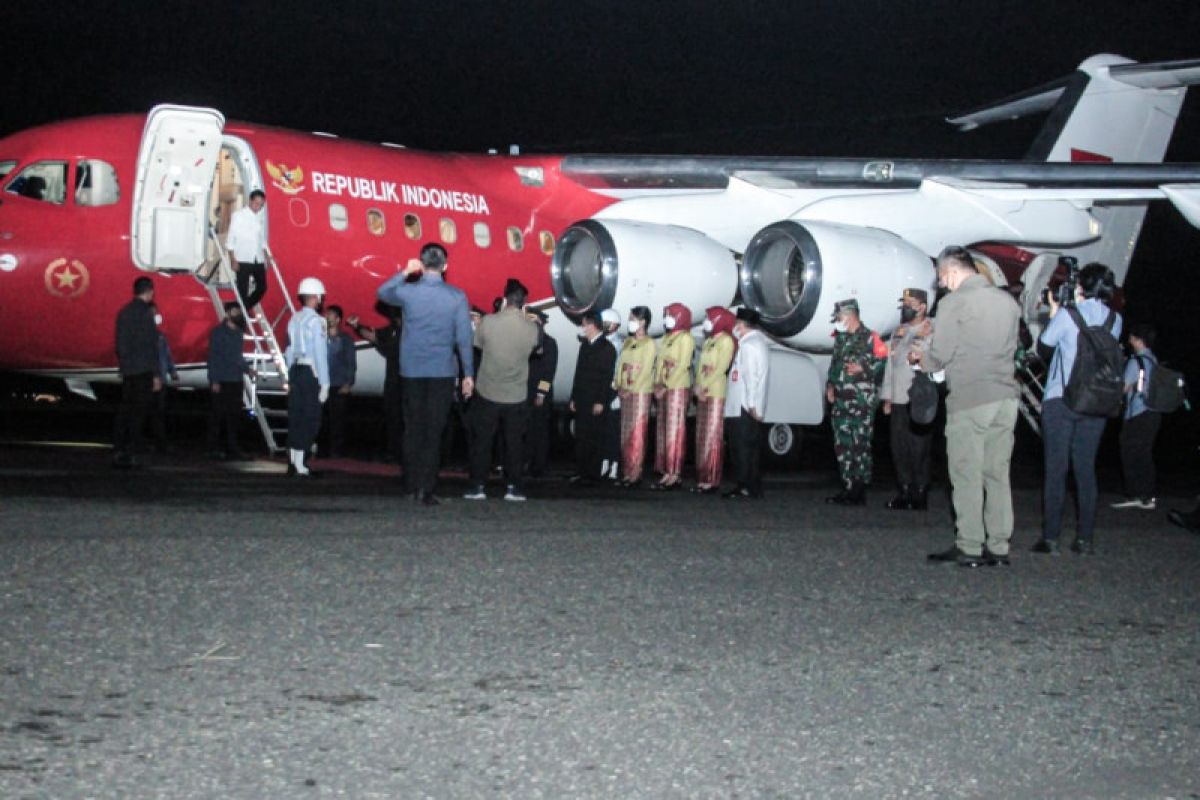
<point>43,180</point>
<point>5,168</point>
<point>95,183</point>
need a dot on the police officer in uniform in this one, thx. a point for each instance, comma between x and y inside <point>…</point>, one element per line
<point>852,390</point>
<point>308,374</point>
<point>910,441</point>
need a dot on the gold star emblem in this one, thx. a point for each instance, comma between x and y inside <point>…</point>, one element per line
<point>66,279</point>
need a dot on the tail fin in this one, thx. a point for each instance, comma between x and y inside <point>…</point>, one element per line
<point>1110,110</point>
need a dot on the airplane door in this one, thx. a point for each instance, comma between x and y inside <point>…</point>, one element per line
<point>175,168</point>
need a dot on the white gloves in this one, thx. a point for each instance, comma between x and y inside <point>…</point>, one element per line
<point>323,395</point>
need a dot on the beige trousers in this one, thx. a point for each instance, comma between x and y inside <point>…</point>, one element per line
<point>979,443</point>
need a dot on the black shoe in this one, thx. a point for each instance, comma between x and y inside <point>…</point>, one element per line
<point>1188,520</point>
<point>737,494</point>
<point>956,556</point>
<point>704,490</point>
<point>122,461</point>
<point>994,560</point>
<point>1083,547</point>
<point>918,500</point>
<point>838,499</point>
<point>1045,546</point>
<point>902,501</point>
<point>426,499</point>
<point>857,495</point>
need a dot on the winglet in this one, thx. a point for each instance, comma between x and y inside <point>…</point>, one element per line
<point>1186,198</point>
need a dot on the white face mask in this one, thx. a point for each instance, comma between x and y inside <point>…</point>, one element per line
<point>738,332</point>
<point>158,319</point>
<point>635,325</point>
<point>840,326</point>
<point>707,326</point>
<point>669,323</point>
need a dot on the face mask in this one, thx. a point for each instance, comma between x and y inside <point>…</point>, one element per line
<point>635,325</point>
<point>158,319</point>
<point>738,332</point>
<point>707,326</point>
<point>669,323</point>
<point>907,314</point>
<point>840,326</point>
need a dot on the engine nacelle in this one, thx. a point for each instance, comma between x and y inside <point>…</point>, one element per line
<point>621,264</point>
<point>793,272</point>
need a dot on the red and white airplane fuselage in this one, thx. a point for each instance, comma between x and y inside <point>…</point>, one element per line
<point>86,206</point>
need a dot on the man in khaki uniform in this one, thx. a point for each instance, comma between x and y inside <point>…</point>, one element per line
<point>975,343</point>
<point>910,441</point>
<point>505,340</point>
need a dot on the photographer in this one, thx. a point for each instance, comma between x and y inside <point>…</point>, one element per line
<point>1071,438</point>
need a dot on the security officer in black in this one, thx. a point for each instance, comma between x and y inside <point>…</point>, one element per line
<point>542,366</point>
<point>137,360</point>
<point>387,343</point>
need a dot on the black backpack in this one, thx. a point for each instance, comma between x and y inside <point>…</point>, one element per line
<point>1096,386</point>
<point>1164,391</point>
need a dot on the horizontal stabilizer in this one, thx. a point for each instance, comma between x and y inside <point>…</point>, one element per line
<point>1156,75</point>
<point>1186,197</point>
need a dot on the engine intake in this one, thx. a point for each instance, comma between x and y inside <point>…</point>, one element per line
<point>793,272</point>
<point>620,264</point>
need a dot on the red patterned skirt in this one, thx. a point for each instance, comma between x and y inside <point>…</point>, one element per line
<point>671,437</point>
<point>635,418</point>
<point>710,427</point>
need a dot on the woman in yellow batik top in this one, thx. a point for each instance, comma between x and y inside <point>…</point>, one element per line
<point>635,387</point>
<point>711,378</point>
<point>672,385</point>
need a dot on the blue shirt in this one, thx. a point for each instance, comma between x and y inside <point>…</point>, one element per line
<point>1063,335</point>
<point>343,360</point>
<point>308,342</point>
<point>1135,400</point>
<point>437,322</point>
<point>166,364</point>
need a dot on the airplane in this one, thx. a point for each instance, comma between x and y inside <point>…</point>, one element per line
<point>88,205</point>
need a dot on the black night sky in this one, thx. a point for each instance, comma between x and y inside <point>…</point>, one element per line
<point>853,77</point>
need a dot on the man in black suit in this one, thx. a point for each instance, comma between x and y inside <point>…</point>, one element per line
<point>591,393</point>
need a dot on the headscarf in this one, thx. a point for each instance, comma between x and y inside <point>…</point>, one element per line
<point>722,319</point>
<point>682,315</point>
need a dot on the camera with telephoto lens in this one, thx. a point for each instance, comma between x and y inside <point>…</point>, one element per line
<point>1064,295</point>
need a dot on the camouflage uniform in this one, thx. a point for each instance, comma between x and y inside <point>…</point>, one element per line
<point>854,403</point>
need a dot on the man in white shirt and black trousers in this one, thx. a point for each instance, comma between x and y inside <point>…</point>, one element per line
<point>745,404</point>
<point>247,245</point>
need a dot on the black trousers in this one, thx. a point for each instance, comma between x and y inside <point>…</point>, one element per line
<point>589,441</point>
<point>224,411</point>
<point>910,447</point>
<point>610,449</point>
<point>511,418</point>
<point>137,392</point>
<point>745,441</point>
<point>256,271</point>
<point>426,405</point>
<point>304,408</point>
<point>335,408</point>
<point>393,420</point>
<point>537,437</point>
<point>1137,453</point>
<point>158,417</point>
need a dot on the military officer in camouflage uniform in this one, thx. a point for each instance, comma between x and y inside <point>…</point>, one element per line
<point>852,390</point>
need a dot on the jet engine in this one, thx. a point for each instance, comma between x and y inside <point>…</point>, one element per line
<point>793,272</point>
<point>620,264</point>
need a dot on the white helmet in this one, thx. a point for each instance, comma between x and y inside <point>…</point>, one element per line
<point>609,316</point>
<point>311,286</point>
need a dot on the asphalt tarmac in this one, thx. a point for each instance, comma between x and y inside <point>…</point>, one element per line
<point>211,630</point>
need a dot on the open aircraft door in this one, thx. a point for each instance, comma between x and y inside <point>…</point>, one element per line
<point>176,163</point>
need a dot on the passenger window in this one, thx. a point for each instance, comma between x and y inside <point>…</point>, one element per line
<point>412,226</point>
<point>447,230</point>
<point>338,219</point>
<point>95,183</point>
<point>516,240</point>
<point>483,235</point>
<point>45,180</point>
<point>298,212</point>
<point>546,241</point>
<point>375,222</point>
<point>5,168</point>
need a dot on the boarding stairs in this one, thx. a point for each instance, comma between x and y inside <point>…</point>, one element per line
<point>1033,388</point>
<point>265,386</point>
